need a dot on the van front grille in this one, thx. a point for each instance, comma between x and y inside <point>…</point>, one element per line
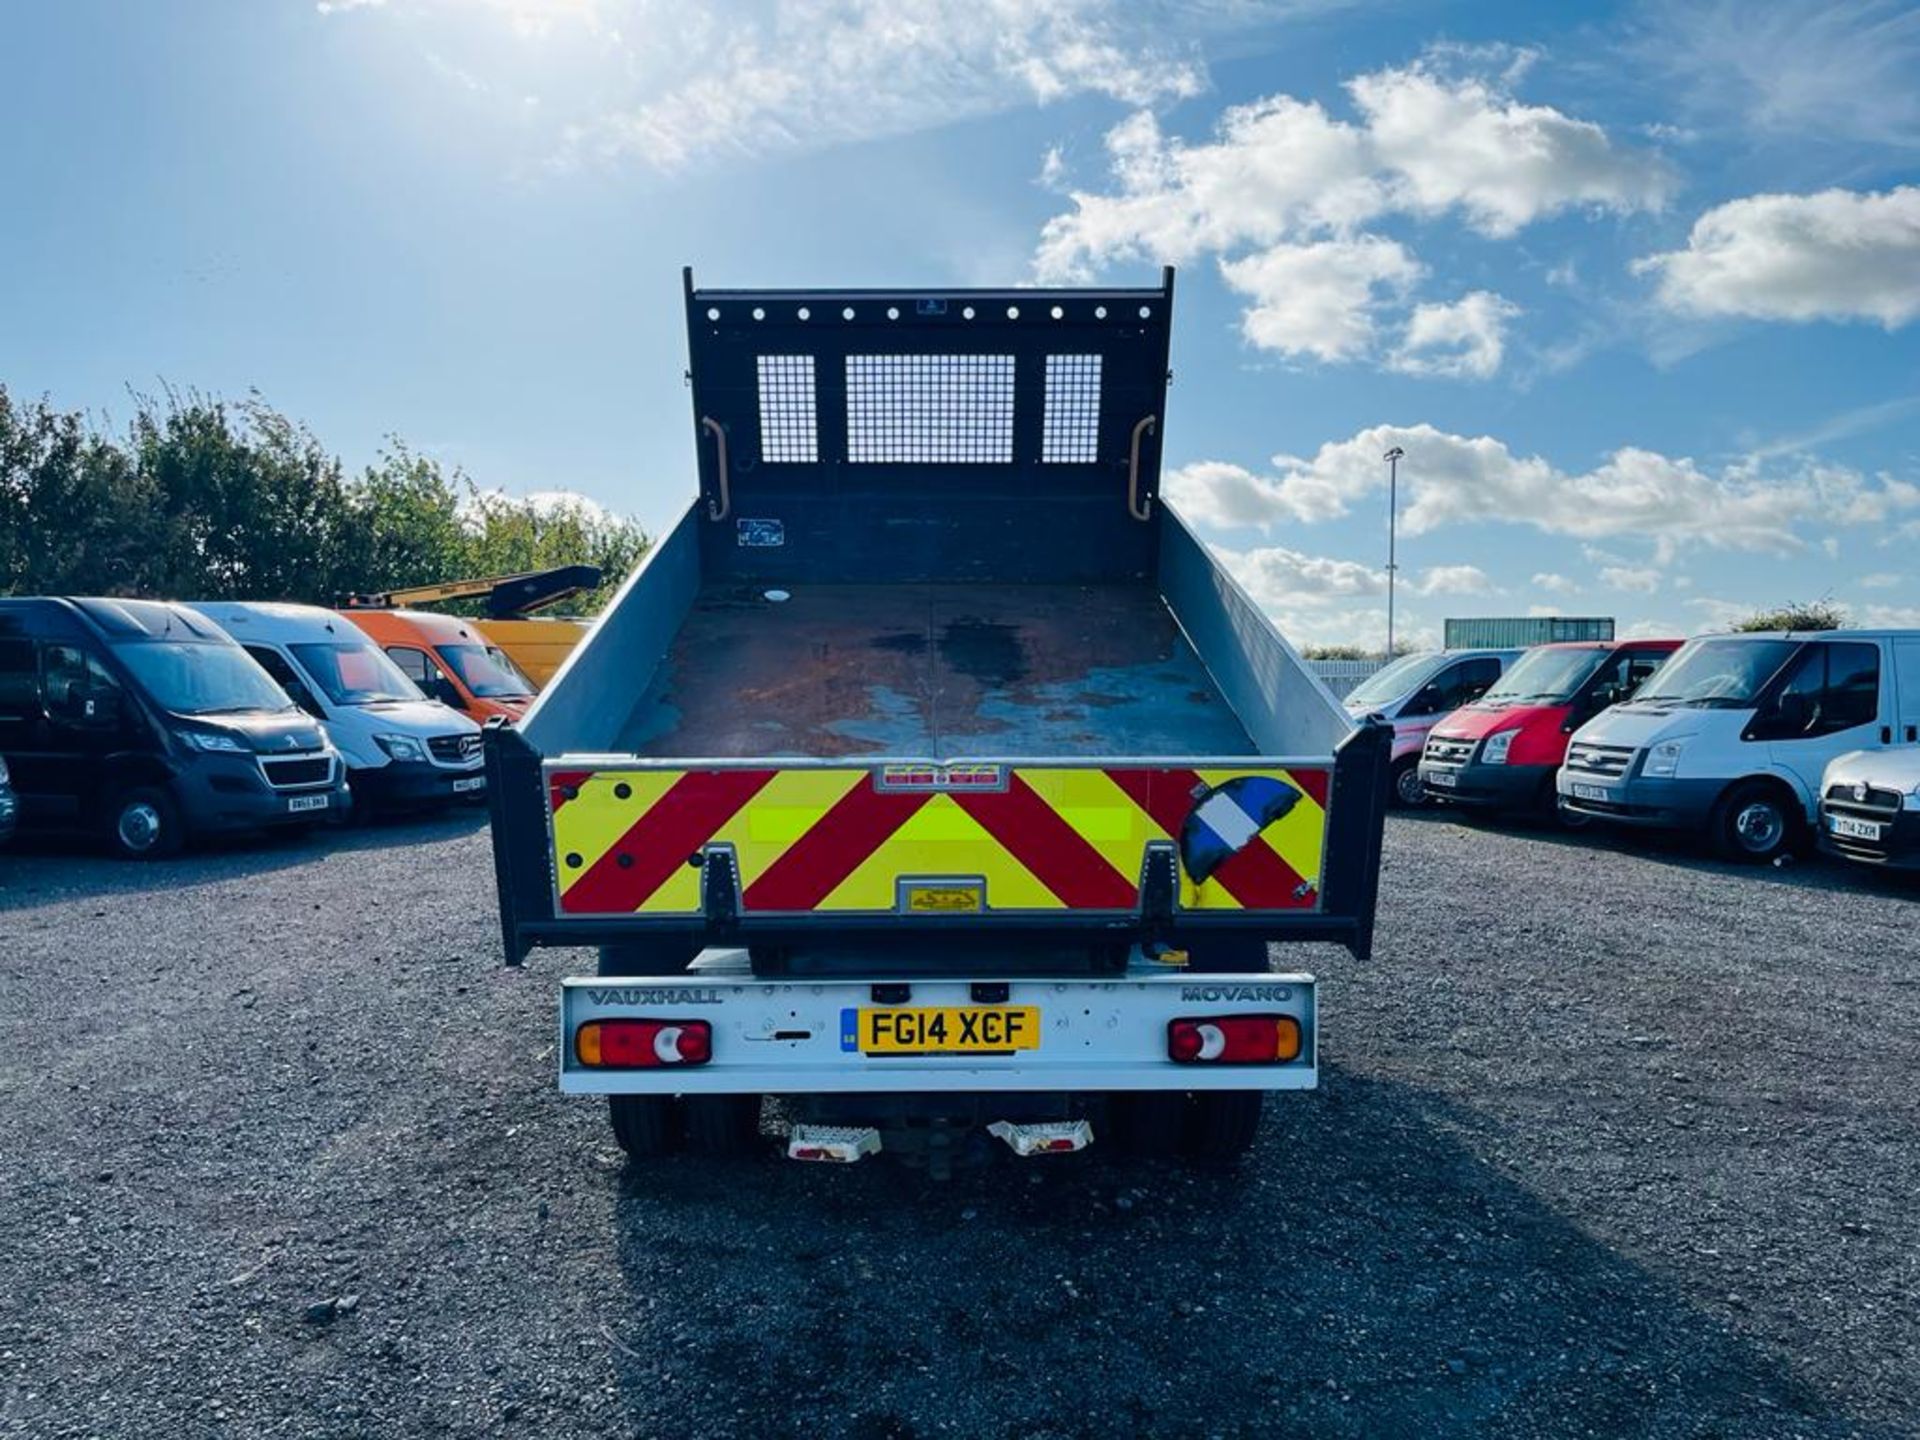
<point>1608,760</point>
<point>295,773</point>
<point>454,749</point>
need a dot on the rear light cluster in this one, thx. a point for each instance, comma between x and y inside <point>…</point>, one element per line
<point>643,1044</point>
<point>1233,1040</point>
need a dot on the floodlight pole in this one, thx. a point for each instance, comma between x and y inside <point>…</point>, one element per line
<point>1393,458</point>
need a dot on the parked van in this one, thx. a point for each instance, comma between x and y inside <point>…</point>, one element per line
<point>1503,751</point>
<point>1870,807</point>
<point>451,659</point>
<point>1732,734</point>
<point>142,723</point>
<point>1414,692</point>
<point>401,748</point>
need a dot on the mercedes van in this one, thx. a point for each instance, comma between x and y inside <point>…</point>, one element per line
<point>142,724</point>
<point>402,750</point>
<point>451,659</point>
<point>1503,751</point>
<point>1731,735</point>
<point>1414,692</point>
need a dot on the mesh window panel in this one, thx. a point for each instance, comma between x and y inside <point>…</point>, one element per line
<point>940,409</point>
<point>1072,432</point>
<point>789,433</point>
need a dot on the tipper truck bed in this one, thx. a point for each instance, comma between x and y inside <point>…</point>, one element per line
<point>930,773</point>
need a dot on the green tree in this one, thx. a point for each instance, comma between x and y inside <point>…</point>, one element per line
<point>1819,615</point>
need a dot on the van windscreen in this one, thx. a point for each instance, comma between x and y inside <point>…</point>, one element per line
<point>351,674</point>
<point>1545,677</point>
<point>486,671</point>
<point>1718,674</point>
<point>201,677</point>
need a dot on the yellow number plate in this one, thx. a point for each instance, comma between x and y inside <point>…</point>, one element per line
<point>945,899</point>
<point>940,1030</point>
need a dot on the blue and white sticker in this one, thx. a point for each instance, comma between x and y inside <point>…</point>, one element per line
<point>1227,818</point>
<point>761,534</point>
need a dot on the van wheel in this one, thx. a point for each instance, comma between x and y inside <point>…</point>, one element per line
<point>1222,1124</point>
<point>1554,814</point>
<point>1753,823</point>
<point>145,825</point>
<point>1408,792</point>
<point>644,1125</point>
<point>723,1124</point>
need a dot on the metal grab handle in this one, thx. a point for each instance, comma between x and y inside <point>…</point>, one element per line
<point>717,509</point>
<point>1134,507</point>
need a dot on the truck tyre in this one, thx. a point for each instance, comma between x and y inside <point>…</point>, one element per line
<point>1222,1124</point>
<point>1147,1124</point>
<point>644,1125</point>
<point>647,957</point>
<point>723,1124</point>
<point>145,824</point>
<point>1753,822</point>
<point>1407,792</point>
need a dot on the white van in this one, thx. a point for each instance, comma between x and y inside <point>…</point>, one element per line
<point>1732,734</point>
<point>401,749</point>
<point>1415,692</point>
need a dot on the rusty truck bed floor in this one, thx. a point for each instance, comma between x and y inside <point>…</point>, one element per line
<point>932,672</point>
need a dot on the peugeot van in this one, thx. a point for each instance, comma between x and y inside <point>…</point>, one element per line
<point>402,750</point>
<point>1731,735</point>
<point>142,724</point>
<point>1414,692</point>
<point>1504,750</point>
<point>451,659</point>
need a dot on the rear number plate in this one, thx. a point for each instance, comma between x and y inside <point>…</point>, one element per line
<point>1592,792</point>
<point>1445,779</point>
<point>460,787</point>
<point>1857,829</point>
<point>942,1030</point>
<point>306,802</point>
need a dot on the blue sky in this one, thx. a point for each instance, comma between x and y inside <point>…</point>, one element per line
<point>1636,291</point>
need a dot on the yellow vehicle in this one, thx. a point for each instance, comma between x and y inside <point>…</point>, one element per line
<point>537,644</point>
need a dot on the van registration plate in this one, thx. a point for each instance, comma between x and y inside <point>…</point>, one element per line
<point>941,1030</point>
<point>1445,779</point>
<point>1592,792</point>
<point>461,787</point>
<point>1855,829</point>
<point>297,803</point>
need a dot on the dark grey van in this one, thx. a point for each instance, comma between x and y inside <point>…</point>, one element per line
<point>143,724</point>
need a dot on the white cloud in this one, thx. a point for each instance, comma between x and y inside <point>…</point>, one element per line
<point>1881,580</point>
<point>1835,255</point>
<point>1282,192</point>
<point>1453,580</point>
<point>1320,299</point>
<point>1450,479</point>
<point>1641,580</point>
<point>1467,338</point>
<point>1554,584</point>
<point>1467,144</point>
<point>1835,70</point>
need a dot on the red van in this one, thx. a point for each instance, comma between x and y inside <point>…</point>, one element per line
<point>1502,751</point>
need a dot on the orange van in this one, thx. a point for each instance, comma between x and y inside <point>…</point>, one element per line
<point>450,658</point>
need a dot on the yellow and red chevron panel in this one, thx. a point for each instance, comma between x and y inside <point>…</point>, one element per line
<point>840,840</point>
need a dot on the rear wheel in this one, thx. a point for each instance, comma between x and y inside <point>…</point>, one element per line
<point>1408,792</point>
<point>723,1124</point>
<point>1753,822</point>
<point>644,1125</point>
<point>145,824</point>
<point>1222,1124</point>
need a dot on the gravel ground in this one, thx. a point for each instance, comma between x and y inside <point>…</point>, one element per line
<point>1634,1154</point>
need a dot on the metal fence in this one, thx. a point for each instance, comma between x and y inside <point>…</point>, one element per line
<point>1342,675</point>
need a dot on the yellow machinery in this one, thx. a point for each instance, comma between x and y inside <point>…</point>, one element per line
<point>537,644</point>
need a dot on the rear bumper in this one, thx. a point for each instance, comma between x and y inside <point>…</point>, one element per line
<point>780,1037</point>
<point>1896,848</point>
<point>1649,804</point>
<point>1493,787</point>
<point>406,783</point>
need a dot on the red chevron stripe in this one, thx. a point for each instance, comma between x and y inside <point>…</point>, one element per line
<point>1166,795</point>
<point>561,780</point>
<point>1061,859</point>
<point>1312,784</point>
<point>838,842</point>
<point>660,841</point>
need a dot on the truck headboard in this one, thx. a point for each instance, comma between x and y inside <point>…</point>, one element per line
<point>1001,435</point>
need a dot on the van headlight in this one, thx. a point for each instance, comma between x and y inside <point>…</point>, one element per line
<point>1494,752</point>
<point>1663,760</point>
<point>400,747</point>
<point>215,741</point>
